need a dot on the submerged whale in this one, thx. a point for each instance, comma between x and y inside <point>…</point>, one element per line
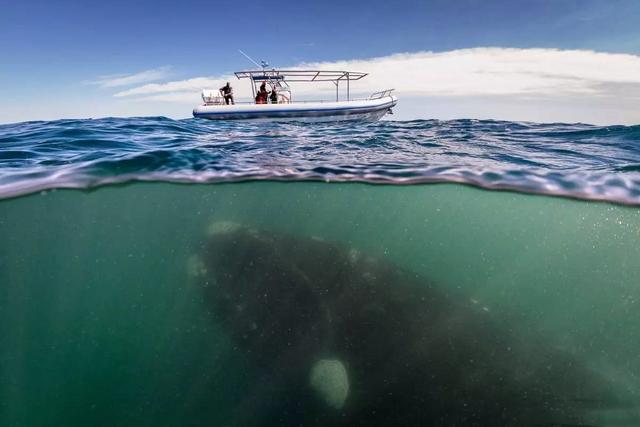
<point>336,337</point>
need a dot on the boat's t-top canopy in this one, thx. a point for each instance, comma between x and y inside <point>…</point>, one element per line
<point>300,75</point>
<point>280,78</point>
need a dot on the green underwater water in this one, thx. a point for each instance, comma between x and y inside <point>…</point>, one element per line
<point>101,324</point>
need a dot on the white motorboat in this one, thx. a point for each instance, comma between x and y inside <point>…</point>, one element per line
<point>281,107</point>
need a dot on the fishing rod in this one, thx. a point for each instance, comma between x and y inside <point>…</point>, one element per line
<point>263,65</point>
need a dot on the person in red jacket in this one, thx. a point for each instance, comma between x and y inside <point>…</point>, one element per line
<point>261,98</point>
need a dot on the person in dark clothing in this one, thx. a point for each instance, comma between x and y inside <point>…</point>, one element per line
<point>227,92</point>
<point>274,96</point>
<point>262,94</point>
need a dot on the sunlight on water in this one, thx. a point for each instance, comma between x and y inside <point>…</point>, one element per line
<point>103,322</point>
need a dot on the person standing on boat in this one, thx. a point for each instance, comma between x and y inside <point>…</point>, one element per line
<point>227,92</point>
<point>262,94</point>
<point>274,96</point>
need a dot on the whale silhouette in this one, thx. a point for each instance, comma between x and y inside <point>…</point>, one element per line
<point>336,337</point>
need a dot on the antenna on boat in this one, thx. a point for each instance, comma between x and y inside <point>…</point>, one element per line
<point>264,64</point>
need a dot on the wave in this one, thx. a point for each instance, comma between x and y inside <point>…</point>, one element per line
<point>572,160</point>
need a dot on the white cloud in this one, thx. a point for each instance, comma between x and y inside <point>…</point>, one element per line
<point>497,71</point>
<point>194,84</point>
<point>464,72</point>
<point>186,97</point>
<point>119,80</point>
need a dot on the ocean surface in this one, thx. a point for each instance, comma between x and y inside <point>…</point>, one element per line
<point>162,272</point>
<point>574,160</point>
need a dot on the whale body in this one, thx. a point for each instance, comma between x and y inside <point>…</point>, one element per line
<point>336,337</point>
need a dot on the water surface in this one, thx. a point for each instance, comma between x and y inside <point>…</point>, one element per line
<point>575,160</point>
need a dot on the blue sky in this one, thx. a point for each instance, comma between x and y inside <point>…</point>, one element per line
<point>53,50</point>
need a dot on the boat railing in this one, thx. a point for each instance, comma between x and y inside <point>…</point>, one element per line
<point>381,94</point>
<point>378,95</point>
<point>281,103</point>
<point>308,101</point>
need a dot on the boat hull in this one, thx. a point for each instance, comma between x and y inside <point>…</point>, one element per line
<point>364,110</point>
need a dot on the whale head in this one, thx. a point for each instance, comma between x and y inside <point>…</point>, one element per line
<point>261,296</point>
